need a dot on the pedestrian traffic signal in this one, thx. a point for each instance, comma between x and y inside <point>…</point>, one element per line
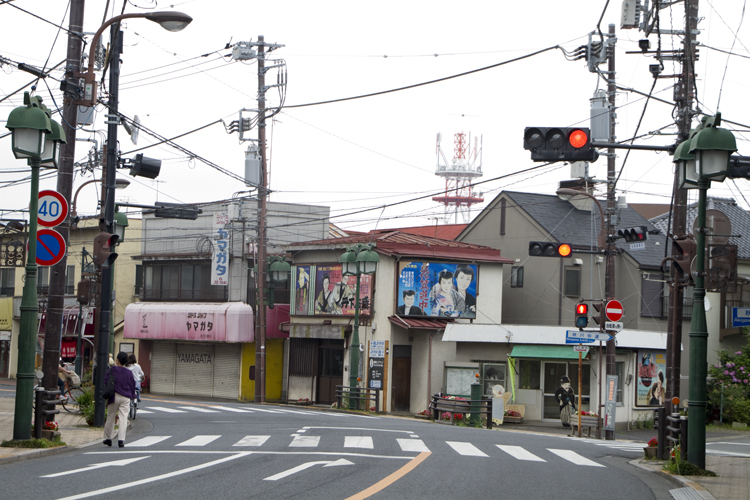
<point>582,315</point>
<point>600,316</point>
<point>634,234</point>
<point>559,144</point>
<point>104,244</point>
<point>549,249</point>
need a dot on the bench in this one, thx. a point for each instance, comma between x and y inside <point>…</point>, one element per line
<point>587,423</point>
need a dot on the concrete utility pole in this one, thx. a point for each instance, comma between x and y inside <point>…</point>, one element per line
<point>56,295</point>
<point>260,332</point>
<point>683,96</point>
<point>609,279</point>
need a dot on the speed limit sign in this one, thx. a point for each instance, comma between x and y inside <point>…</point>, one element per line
<point>53,208</point>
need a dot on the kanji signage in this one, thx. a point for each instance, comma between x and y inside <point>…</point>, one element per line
<point>220,260</point>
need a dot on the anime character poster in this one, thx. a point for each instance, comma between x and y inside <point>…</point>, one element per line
<point>302,290</point>
<point>651,378</point>
<point>437,289</point>
<point>335,293</point>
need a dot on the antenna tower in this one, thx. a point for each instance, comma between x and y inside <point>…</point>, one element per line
<point>459,175</point>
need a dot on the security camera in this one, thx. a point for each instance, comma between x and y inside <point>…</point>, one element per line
<point>644,44</point>
<point>655,69</point>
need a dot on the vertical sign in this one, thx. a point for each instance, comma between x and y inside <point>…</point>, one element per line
<point>650,383</point>
<point>376,364</point>
<point>220,260</point>
<point>611,403</point>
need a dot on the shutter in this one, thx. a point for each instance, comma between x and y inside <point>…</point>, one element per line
<point>227,371</point>
<point>194,369</point>
<point>162,367</point>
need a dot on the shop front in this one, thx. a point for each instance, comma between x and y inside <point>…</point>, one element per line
<point>193,349</point>
<point>6,329</point>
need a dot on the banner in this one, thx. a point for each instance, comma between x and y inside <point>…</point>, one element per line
<point>437,289</point>
<point>220,260</point>
<point>650,378</point>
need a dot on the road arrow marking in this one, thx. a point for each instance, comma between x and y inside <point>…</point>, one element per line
<point>294,470</point>
<point>116,463</point>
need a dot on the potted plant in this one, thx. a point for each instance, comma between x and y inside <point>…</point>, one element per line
<point>304,401</point>
<point>651,448</point>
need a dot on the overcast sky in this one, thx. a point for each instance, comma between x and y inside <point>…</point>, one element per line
<point>379,150</point>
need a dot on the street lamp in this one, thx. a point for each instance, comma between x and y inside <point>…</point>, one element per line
<point>171,21</point>
<point>35,139</point>
<point>119,184</point>
<point>357,261</point>
<point>710,147</point>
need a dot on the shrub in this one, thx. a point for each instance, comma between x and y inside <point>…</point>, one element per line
<point>732,375</point>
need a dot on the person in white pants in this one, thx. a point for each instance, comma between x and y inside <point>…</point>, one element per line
<point>119,403</point>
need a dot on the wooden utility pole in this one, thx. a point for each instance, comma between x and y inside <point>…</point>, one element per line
<point>260,313</point>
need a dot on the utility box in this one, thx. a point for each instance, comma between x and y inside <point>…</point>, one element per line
<point>630,15</point>
<point>252,166</point>
<point>600,117</point>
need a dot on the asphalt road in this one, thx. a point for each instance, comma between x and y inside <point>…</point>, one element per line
<point>204,449</point>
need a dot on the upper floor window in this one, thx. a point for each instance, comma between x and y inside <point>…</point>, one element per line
<point>7,281</point>
<point>516,277</point>
<point>181,281</point>
<point>572,284</point>
<point>42,280</point>
<point>70,280</point>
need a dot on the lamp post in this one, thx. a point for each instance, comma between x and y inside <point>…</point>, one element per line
<point>702,158</point>
<point>171,21</point>
<point>119,184</point>
<point>35,138</point>
<point>357,261</point>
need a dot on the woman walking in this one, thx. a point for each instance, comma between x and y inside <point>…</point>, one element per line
<point>119,403</point>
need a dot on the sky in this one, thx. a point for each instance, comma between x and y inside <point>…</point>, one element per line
<point>376,152</point>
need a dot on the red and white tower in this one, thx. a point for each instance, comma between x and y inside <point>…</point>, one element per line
<point>459,175</point>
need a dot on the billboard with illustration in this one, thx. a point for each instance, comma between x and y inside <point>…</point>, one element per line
<point>324,290</point>
<point>651,378</point>
<point>437,289</point>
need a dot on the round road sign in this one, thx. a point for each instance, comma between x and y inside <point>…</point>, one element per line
<point>53,208</point>
<point>50,247</point>
<point>613,310</point>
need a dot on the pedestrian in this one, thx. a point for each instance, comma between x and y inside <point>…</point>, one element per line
<point>62,371</point>
<point>119,403</point>
<point>566,398</point>
<point>137,372</point>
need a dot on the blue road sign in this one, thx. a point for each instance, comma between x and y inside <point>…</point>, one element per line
<point>740,316</point>
<point>579,337</point>
<point>50,247</point>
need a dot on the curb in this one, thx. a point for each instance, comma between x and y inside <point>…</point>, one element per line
<point>676,480</point>
<point>33,453</point>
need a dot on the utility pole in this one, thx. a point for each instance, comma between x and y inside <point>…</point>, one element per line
<point>609,278</point>
<point>260,332</point>
<point>56,295</point>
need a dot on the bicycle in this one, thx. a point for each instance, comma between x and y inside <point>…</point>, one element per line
<point>71,395</point>
<point>134,405</point>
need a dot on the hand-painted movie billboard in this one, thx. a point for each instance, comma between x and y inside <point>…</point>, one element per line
<point>651,378</point>
<point>437,289</point>
<point>324,290</point>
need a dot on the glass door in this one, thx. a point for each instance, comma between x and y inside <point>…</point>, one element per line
<point>553,373</point>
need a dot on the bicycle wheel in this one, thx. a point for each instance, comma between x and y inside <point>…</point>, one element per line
<point>71,403</point>
<point>133,410</point>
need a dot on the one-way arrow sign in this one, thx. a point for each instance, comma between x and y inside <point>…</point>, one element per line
<point>334,463</point>
<point>117,463</point>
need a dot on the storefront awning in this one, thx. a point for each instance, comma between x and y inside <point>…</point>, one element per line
<point>544,351</point>
<point>418,323</point>
<point>203,322</point>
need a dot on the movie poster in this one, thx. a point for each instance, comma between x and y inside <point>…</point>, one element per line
<point>651,377</point>
<point>301,290</point>
<point>437,289</point>
<point>324,290</point>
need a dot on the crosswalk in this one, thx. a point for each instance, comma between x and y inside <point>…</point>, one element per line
<point>409,445</point>
<point>149,409</point>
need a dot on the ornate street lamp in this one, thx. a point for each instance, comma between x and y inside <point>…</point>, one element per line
<point>33,134</point>
<point>357,261</point>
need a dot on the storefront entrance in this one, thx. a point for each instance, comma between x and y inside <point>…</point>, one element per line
<point>401,378</point>
<point>554,371</point>
<point>330,369</point>
<point>4,356</point>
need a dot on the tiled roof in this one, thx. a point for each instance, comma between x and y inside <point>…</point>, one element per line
<point>442,231</point>
<point>419,324</point>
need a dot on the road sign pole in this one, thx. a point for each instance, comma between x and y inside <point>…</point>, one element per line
<point>580,388</point>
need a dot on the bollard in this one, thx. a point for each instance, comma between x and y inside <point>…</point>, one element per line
<point>660,415</point>
<point>476,404</point>
<point>684,437</point>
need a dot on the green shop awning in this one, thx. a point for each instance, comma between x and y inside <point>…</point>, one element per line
<point>544,351</point>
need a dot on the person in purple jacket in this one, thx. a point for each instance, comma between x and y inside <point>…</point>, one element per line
<point>119,404</point>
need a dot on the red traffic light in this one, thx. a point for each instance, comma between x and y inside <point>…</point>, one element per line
<point>564,250</point>
<point>582,308</point>
<point>578,138</point>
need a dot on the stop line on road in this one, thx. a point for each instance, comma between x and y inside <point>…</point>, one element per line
<point>185,409</point>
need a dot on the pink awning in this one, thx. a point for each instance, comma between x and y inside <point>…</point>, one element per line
<point>206,322</point>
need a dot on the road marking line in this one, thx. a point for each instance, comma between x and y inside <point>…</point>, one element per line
<point>412,445</point>
<point>199,440</point>
<point>519,453</point>
<point>356,429</point>
<point>389,480</point>
<point>117,463</point>
<point>167,410</point>
<point>252,441</point>
<point>227,408</point>
<point>155,478</point>
<point>304,441</point>
<point>148,441</point>
<point>307,465</point>
<point>195,408</point>
<point>466,449</point>
<point>263,410</point>
<point>358,442</point>
<point>572,456</point>
<point>145,411</point>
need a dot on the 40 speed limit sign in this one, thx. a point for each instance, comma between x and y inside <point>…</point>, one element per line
<point>53,208</point>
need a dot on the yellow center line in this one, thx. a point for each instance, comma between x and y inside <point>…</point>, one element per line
<point>385,482</point>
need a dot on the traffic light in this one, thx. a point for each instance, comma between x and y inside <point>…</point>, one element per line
<point>104,243</point>
<point>600,316</point>
<point>559,144</point>
<point>582,315</point>
<point>683,254</point>
<point>549,249</point>
<point>634,234</point>
<point>143,166</point>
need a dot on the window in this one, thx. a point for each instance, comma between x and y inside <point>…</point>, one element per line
<point>180,281</point>
<point>572,286</point>
<point>42,280</point>
<point>530,374</point>
<point>651,299</point>
<point>7,282</point>
<point>138,279</point>
<point>516,277</point>
<point>70,280</point>
<point>620,372</point>
<point>493,374</point>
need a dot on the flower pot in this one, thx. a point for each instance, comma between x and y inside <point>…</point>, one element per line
<point>650,451</point>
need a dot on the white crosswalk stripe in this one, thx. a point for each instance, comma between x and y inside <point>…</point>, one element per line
<point>520,453</point>
<point>145,412</point>
<point>148,441</point>
<point>252,441</point>
<point>198,409</point>
<point>573,457</point>
<point>358,442</point>
<point>199,440</point>
<point>304,441</point>
<point>229,408</point>
<point>629,446</point>
<point>412,445</point>
<point>466,449</point>
<point>166,410</point>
